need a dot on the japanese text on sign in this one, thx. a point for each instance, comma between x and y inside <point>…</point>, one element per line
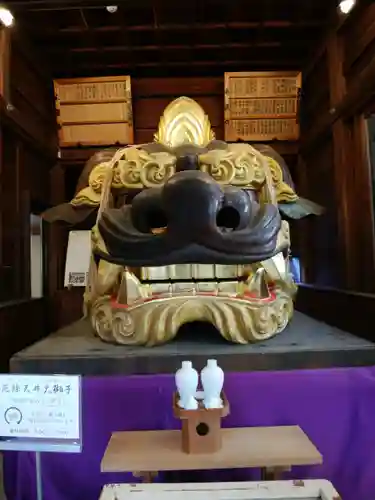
<point>40,406</point>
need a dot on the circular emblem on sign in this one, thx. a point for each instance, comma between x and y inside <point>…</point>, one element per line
<point>13,415</point>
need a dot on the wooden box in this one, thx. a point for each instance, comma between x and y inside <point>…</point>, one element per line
<point>94,111</point>
<point>201,428</point>
<point>262,106</point>
<point>313,489</point>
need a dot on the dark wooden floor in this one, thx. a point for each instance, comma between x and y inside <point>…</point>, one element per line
<point>306,343</point>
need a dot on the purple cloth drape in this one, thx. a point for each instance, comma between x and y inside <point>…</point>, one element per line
<point>335,407</point>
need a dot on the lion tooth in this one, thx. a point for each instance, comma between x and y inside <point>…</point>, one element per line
<point>257,284</point>
<point>155,273</point>
<point>283,237</point>
<point>209,286</point>
<point>158,273</point>
<point>130,289</point>
<point>202,271</point>
<point>228,287</point>
<point>188,287</point>
<point>165,288</point>
<point>181,272</point>
<point>226,271</point>
<point>276,267</point>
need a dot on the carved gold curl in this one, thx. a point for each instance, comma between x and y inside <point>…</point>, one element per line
<point>98,175</point>
<point>133,168</point>
<point>138,169</point>
<point>86,197</point>
<point>242,165</point>
<point>284,192</point>
<point>158,321</point>
<point>232,166</point>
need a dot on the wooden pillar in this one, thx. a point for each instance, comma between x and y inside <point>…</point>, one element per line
<point>353,189</point>
<point>362,213</point>
<point>304,226</point>
<point>5,47</point>
<point>56,232</point>
<point>342,165</point>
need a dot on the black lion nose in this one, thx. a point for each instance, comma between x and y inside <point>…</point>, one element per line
<point>187,162</point>
<point>191,200</point>
<point>191,203</point>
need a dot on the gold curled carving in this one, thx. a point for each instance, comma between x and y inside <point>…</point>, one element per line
<point>91,194</point>
<point>284,192</point>
<point>134,168</point>
<point>238,165</point>
<point>98,175</point>
<point>87,197</point>
<point>138,169</point>
<point>219,165</point>
<point>157,322</point>
<point>241,165</point>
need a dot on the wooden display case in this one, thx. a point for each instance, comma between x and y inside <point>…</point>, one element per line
<point>94,111</point>
<point>262,106</point>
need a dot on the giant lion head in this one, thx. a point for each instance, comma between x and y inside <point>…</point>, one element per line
<point>188,228</point>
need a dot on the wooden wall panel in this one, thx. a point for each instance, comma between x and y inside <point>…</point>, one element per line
<point>25,185</point>
<point>349,311</point>
<point>359,43</point>
<point>31,97</point>
<point>22,322</point>
<point>349,73</point>
<point>315,101</point>
<point>176,87</point>
<point>27,151</point>
<point>4,63</point>
<point>320,246</point>
<point>151,96</point>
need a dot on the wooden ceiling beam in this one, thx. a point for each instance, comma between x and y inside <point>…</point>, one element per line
<point>247,63</point>
<point>335,23</point>
<point>53,50</point>
<point>195,27</point>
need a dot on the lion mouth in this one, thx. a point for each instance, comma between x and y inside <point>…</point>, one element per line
<point>255,282</point>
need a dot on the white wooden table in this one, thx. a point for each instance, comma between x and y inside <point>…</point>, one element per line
<point>270,490</point>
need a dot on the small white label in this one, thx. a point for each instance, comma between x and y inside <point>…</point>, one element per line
<point>78,258</point>
<point>40,406</point>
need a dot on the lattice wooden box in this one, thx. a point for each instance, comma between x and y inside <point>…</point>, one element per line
<point>270,490</point>
<point>262,106</point>
<point>94,111</point>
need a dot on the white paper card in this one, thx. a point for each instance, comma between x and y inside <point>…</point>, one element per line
<point>77,258</point>
<point>40,406</point>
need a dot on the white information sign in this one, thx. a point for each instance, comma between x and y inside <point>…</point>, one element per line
<point>77,258</point>
<point>40,409</point>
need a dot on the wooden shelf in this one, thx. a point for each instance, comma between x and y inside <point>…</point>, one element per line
<point>282,446</point>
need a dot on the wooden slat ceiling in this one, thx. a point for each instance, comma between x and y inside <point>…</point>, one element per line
<point>158,38</point>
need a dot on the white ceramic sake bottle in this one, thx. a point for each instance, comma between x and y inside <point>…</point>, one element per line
<point>187,383</point>
<point>212,377</point>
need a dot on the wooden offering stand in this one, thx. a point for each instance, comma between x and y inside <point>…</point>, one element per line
<point>201,428</point>
<point>202,444</point>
